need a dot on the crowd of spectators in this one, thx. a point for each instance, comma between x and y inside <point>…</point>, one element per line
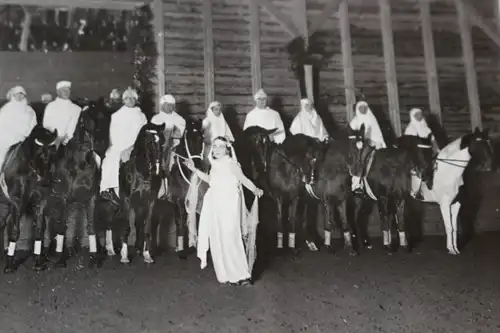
<point>63,30</point>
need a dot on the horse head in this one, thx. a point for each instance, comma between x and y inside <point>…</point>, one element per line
<point>421,154</point>
<point>304,153</point>
<point>148,150</point>
<point>258,143</point>
<point>194,144</point>
<point>480,149</point>
<point>358,150</point>
<point>42,149</point>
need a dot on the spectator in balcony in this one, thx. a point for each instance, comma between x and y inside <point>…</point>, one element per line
<point>62,114</point>
<point>17,120</point>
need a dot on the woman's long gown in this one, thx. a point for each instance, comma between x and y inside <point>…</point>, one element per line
<point>220,226</point>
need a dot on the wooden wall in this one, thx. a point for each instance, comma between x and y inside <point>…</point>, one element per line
<point>94,74</point>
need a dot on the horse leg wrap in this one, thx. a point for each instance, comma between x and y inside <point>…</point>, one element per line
<point>38,248</point>
<point>180,243</point>
<point>59,243</point>
<point>11,249</point>
<point>328,238</point>
<point>387,237</point>
<point>124,253</point>
<point>280,240</point>
<point>402,239</point>
<point>92,244</point>
<point>291,240</point>
<point>347,238</point>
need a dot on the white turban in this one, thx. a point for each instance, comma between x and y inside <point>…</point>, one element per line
<point>15,90</point>
<point>130,93</point>
<point>46,98</point>
<point>260,94</point>
<point>63,84</point>
<point>169,99</point>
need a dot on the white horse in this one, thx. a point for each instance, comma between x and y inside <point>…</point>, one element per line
<point>450,165</point>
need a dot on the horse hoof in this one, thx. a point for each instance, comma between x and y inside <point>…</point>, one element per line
<point>111,251</point>
<point>39,264</point>
<point>329,249</point>
<point>312,246</point>
<point>182,255</point>
<point>353,253</point>
<point>124,260</point>
<point>149,261</point>
<point>454,252</point>
<point>406,249</point>
<point>367,246</point>
<point>388,249</point>
<point>10,266</point>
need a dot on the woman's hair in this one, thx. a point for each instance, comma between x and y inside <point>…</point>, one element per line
<point>226,141</point>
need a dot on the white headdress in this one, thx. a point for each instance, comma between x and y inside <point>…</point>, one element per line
<point>417,128</point>
<point>169,99</point>
<point>217,125</point>
<point>46,98</point>
<point>63,84</point>
<point>131,93</point>
<point>260,94</point>
<point>372,128</point>
<point>15,90</point>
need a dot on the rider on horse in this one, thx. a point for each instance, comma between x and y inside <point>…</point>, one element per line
<point>373,134</point>
<point>418,127</point>
<point>17,120</point>
<point>124,128</point>
<point>62,114</point>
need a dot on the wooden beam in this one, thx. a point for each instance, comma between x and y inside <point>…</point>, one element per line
<point>480,22</point>
<point>430,60</point>
<point>97,4</point>
<point>28,15</point>
<point>390,65</point>
<point>159,26</point>
<point>299,15</point>
<point>283,19</point>
<point>345,36</point>
<point>470,68</point>
<point>208,52</point>
<point>330,8</point>
<point>255,46</point>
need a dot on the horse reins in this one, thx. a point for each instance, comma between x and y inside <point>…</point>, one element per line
<point>190,157</point>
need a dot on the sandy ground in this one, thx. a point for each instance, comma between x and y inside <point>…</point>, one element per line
<point>426,291</point>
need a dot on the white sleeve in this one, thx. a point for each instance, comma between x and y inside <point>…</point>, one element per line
<point>70,129</point>
<point>47,114</point>
<point>410,130</point>
<point>354,124</point>
<point>181,124</point>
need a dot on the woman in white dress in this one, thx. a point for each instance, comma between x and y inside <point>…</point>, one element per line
<point>224,215</point>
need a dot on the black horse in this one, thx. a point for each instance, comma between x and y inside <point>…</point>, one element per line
<point>386,175</point>
<point>76,184</point>
<point>191,146</point>
<point>284,171</point>
<point>140,180</point>
<point>26,184</point>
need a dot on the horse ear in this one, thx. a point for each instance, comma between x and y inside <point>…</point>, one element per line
<point>161,127</point>
<point>362,129</point>
<point>477,131</point>
<point>271,131</point>
<point>429,137</point>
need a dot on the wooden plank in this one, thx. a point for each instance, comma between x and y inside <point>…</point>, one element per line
<point>208,52</point>
<point>430,60</point>
<point>345,35</point>
<point>480,22</point>
<point>390,65</point>
<point>470,69</point>
<point>299,15</point>
<point>98,4</point>
<point>256,68</point>
<point>159,24</point>
<point>283,19</point>
<point>327,12</point>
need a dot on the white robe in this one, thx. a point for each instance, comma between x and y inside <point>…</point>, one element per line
<point>221,220</point>
<point>126,124</point>
<point>310,124</point>
<point>63,115</point>
<point>216,126</point>
<point>372,128</point>
<point>17,120</point>
<point>269,119</point>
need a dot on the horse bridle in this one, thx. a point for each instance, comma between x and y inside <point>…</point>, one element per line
<point>178,157</point>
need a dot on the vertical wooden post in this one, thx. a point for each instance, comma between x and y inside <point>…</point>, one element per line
<point>23,43</point>
<point>430,60</point>
<point>470,69</point>
<point>299,16</point>
<point>390,65</point>
<point>159,26</point>
<point>345,34</point>
<point>208,47</point>
<point>255,45</point>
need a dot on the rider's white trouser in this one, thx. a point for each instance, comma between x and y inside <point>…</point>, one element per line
<point>416,183</point>
<point>111,167</point>
<point>4,149</point>
<point>355,183</point>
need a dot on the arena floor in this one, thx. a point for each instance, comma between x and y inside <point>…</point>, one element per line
<point>426,291</point>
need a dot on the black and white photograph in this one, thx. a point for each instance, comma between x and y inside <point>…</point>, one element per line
<point>259,166</point>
